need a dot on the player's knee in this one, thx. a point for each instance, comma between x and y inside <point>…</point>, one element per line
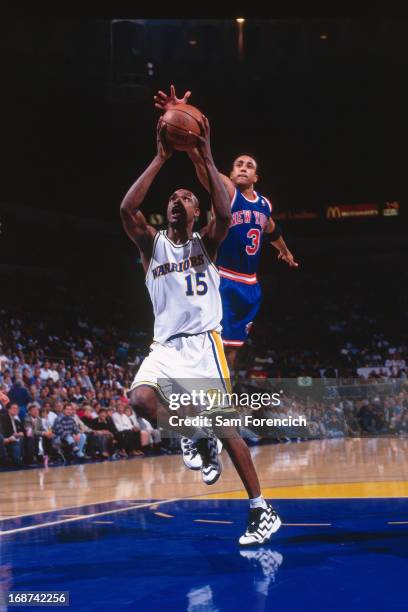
<point>143,401</point>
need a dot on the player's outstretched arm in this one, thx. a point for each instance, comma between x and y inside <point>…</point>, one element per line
<point>196,158</point>
<point>275,234</point>
<point>133,220</point>
<point>217,229</point>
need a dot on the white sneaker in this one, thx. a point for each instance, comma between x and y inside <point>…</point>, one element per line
<point>211,464</point>
<point>262,523</point>
<point>191,456</point>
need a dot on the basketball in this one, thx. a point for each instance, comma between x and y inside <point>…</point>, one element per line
<point>179,121</point>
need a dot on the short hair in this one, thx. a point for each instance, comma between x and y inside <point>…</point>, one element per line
<point>247,155</point>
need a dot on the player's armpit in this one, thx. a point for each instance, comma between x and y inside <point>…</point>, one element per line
<point>213,234</point>
<point>138,230</point>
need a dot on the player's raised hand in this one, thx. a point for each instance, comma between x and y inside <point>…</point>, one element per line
<point>164,102</point>
<point>164,150</point>
<point>203,141</point>
<point>288,258</point>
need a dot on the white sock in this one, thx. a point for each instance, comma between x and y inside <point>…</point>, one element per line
<point>258,502</point>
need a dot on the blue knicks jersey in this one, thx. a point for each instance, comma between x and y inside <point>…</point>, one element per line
<point>238,255</point>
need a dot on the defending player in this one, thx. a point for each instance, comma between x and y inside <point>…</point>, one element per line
<point>238,256</point>
<point>183,284</point>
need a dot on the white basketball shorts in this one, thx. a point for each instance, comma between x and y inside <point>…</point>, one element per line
<point>185,363</point>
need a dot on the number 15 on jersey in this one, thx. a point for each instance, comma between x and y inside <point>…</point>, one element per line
<point>195,284</point>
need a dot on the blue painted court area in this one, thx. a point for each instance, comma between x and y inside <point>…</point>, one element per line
<point>138,560</point>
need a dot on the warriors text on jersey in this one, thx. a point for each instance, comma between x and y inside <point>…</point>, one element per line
<point>183,285</point>
<point>238,255</point>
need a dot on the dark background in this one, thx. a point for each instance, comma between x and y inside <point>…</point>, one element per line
<point>320,104</point>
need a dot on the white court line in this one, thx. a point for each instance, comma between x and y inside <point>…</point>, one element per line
<point>109,501</point>
<point>86,516</point>
<point>306,524</point>
<point>210,521</point>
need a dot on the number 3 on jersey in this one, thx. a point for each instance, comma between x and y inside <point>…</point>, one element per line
<point>200,285</point>
<point>255,235</point>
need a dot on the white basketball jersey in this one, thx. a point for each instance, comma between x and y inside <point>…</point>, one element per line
<point>183,285</point>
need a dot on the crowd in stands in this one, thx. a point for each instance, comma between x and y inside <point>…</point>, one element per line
<point>64,375</point>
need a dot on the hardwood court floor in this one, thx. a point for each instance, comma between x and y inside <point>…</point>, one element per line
<point>358,467</point>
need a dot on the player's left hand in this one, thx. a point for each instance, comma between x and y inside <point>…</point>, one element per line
<point>288,257</point>
<point>164,102</point>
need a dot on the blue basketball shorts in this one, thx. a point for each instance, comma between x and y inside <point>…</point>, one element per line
<point>240,305</point>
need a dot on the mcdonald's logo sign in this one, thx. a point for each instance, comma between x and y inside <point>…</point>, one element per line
<point>344,211</point>
<point>333,212</point>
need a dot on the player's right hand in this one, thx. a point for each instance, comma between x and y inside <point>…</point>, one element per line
<point>164,102</point>
<point>203,141</point>
<point>164,151</point>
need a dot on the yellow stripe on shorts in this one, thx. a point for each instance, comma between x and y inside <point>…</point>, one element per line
<point>219,347</point>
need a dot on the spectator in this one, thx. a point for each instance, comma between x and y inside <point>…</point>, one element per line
<point>47,372</point>
<point>4,401</point>
<point>13,434</point>
<point>67,431</point>
<point>128,439</point>
<point>105,433</point>
<point>19,395</point>
<point>144,436</point>
<point>38,437</point>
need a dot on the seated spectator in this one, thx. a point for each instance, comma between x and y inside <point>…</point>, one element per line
<point>4,400</point>
<point>105,433</point>
<point>144,436</point>
<point>13,434</point>
<point>20,395</point>
<point>67,431</point>
<point>47,372</point>
<point>53,411</point>
<point>91,442</point>
<point>154,434</point>
<point>128,439</point>
<point>87,414</point>
<point>38,437</point>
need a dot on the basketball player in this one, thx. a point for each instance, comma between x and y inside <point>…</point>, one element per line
<point>238,256</point>
<point>183,284</point>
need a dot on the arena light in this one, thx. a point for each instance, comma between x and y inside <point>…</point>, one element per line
<point>240,20</point>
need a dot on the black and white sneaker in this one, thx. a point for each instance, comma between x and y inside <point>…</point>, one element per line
<point>191,456</point>
<point>262,523</point>
<point>212,467</point>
